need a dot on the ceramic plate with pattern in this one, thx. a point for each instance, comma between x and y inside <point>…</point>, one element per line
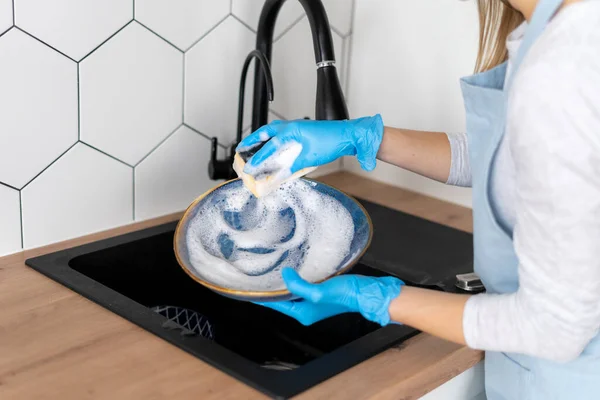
<point>237,244</point>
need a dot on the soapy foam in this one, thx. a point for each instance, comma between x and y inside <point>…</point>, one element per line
<point>279,165</point>
<point>272,172</point>
<point>241,242</point>
<point>263,136</point>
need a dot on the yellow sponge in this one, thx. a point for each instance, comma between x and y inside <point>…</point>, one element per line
<point>264,186</point>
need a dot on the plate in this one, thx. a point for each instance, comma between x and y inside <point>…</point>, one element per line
<point>236,245</point>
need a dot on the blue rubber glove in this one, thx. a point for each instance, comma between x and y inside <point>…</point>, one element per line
<point>341,294</point>
<point>322,141</point>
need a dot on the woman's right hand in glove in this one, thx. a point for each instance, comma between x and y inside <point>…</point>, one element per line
<point>322,142</point>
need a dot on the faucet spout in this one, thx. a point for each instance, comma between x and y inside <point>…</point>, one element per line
<point>330,103</point>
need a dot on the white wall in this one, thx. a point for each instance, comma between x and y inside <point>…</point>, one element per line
<point>406,59</point>
<point>107,107</point>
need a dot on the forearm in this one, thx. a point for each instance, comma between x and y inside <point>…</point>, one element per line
<point>425,153</point>
<point>431,311</point>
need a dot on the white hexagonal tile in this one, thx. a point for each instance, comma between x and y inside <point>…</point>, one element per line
<point>10,221</point>
<point>181,22</point>
<point>212,75</point>
<point>294,73</point>
<point>339,13</point>
<point>249,12</point>
<point>83,192</point>
<point>38,100</point>
<point>173,175</point>
<point>270,118</point>
<point>6,15</point>
<point>274,117</point>
<point>74,27</point>
<point>131,93</point>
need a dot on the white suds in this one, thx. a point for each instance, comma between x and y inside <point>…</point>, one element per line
<point>263,136</point>
<point>278,166</point>
<point>241,242</point>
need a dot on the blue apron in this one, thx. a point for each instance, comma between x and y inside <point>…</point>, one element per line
<point>513,376</point>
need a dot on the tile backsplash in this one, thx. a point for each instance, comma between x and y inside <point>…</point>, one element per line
<point>107,107</point>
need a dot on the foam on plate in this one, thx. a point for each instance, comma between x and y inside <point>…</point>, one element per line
<point>242,242</point>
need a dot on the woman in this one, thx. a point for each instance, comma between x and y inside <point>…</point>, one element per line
<point>532,157</point>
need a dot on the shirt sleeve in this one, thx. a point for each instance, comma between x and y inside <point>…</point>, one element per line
<point>460,166</point>
<point>554,121</point>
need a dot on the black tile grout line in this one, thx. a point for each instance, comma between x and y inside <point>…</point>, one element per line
<point>278,115</point>
<point>289,28</point>
<point>343,64</point>
<point>13,12</point>
<point>105,153</point>
<point>349,47</point>
<point>197,131</point>
<point>208,32</point>
<point>106,40</point>
<point>183,91</point>
<point>348,69</point>
<point>352,15</point>
<point>337,31</point>
<point>286,30</point>
<point>49,165</point>
<point>339,57</point>
<point>21,218</point>
<point>183,75</point>
<point>183,106</point>
<point>160,37</point>
<point>78,105</point>
<point>45,44</point>
<point>2,33</point>
<point>133,1</point>
<point>351,31</point>
<point>230,6</point>
<point>243,23</point>
<point>159,144</point>
<point>203,135</point>
<point>133,193</point>
<point>8,186</point>
<point>346,45</point>
<point>348,51</point>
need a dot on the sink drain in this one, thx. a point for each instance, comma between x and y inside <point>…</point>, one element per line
<point>189,321</point>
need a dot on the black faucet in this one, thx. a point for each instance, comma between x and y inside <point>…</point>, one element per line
<point>330,103</point>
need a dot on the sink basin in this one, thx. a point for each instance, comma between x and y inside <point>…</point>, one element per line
<point>137,277</point>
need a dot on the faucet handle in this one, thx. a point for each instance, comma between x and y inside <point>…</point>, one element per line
<point>219,169</point>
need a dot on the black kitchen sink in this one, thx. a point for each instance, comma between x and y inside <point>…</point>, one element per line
<point>137,276</point>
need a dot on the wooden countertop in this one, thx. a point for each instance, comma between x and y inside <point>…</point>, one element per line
<point>57,344</point>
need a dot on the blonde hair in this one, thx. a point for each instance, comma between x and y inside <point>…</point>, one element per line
<point>496,20</point>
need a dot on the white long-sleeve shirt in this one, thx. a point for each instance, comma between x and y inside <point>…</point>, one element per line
<point>546,190</point>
